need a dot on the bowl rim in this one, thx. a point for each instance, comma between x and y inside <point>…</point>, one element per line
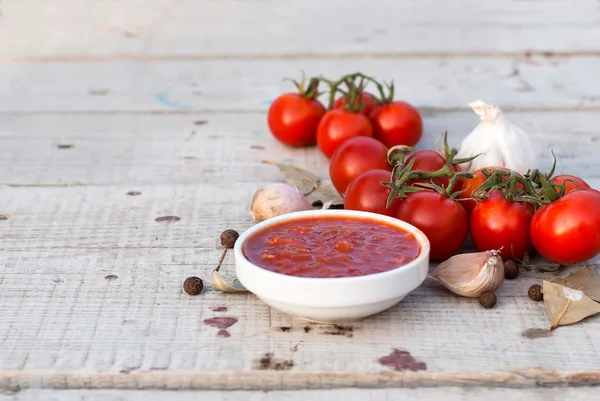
<point>419,236</point>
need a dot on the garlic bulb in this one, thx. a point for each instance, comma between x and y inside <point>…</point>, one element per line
<point>499,143</point>
<point>471,274</point>
<point>275,199</point>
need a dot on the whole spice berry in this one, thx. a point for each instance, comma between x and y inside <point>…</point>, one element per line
<point>193,285</point>
<point>535,293</point>
<point>488,300</point>
<point>229,237</point>
<point>511,270</point>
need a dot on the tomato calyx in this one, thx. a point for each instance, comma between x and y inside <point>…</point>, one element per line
<point>396,155</point>
<point>353,98</point>
<point>311,91</point>
<point>547,192</point>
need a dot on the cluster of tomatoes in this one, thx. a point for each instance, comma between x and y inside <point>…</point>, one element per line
<point>499,209</point>
<point>300,119</point>
<point>558,217</point>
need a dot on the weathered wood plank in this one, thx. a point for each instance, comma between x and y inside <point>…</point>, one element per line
<point>536,82</point>
<point>62,310</point>
<point>425,394</point>
<point>158,28</point>
<point>133,151</point>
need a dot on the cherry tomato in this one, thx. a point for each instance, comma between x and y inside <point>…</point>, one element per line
<point>354,157</point>
<point>368,102</point>
<point>470,184</point>
<point>443,220</point>
<point>397,123</point>
<point>572,183</point>
<point>430,160</point>
<point>293,119</point>
<point>337,126</point>
<point>366,193</point>
<point>497,223</point>
<point>567,231</point>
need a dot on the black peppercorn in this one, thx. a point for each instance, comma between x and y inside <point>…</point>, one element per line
<point>488,299</point>
<point>511,270</point>
<point>535,293</point>
<point>193,285</point>
<point>228,238</point>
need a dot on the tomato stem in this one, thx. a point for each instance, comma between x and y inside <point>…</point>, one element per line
<point>401,174</point>
<point>396,155</point>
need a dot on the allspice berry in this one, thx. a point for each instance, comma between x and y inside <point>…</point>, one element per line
<point>535,293</point>
<point>511,270</point>
<point>488,300</point>
<point>228,238</point>
<point>193,285</point>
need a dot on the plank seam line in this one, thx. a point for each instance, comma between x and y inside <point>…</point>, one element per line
<point>291,56</point>
<point>423,109</point>
<point>286,380</point>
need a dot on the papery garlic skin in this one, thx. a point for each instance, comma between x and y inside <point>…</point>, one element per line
<point>500,143</point>
<point>471,274</point>
<point>275,199</point>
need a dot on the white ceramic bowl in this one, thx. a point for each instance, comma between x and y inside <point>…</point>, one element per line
<point>332,300</point>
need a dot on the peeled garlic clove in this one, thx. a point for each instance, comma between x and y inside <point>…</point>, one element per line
<point>471,274</point>
<point>275,199</point>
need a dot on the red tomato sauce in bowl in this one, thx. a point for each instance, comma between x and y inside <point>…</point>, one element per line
<point>331,246</point>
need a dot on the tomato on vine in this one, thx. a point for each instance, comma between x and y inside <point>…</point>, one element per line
<point>339,125</point>
<point>396,122</point>
<point>293,117</point>
<point>442,219</point>
<point>366,193</point>
<point>567,230</point>
<point>499,223</point>
<point>471,184</point>
<point>570,182</point>
<point>354,157</point>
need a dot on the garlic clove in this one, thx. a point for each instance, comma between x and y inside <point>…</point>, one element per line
<point>275,199</point>
<point>471,274</point>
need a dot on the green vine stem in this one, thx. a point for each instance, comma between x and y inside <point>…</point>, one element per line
<point>401,175</point>
<point>449,153</point>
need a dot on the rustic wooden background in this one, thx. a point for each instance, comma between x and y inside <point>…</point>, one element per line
<point>100,98</point>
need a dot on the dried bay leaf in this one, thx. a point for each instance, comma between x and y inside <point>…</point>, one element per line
<point>316,190</point>
<point>565,305</point>
<point>218,283</point>
<point>585,279</point>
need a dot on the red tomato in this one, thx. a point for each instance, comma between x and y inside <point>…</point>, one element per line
<point>293,119</point>
<point>497,223</point>
<point>573,183</point>
<point>354,157</point>
<point>337,126</point>
<point>366,193</point>
<point>444,221</point>
<point>369,103</point>
<point>567,231</point>
<point>470,184</point>
<point>397,123</point>
<point>430,161</point>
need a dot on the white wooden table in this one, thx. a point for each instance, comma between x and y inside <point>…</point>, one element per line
<point>102,97</point>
